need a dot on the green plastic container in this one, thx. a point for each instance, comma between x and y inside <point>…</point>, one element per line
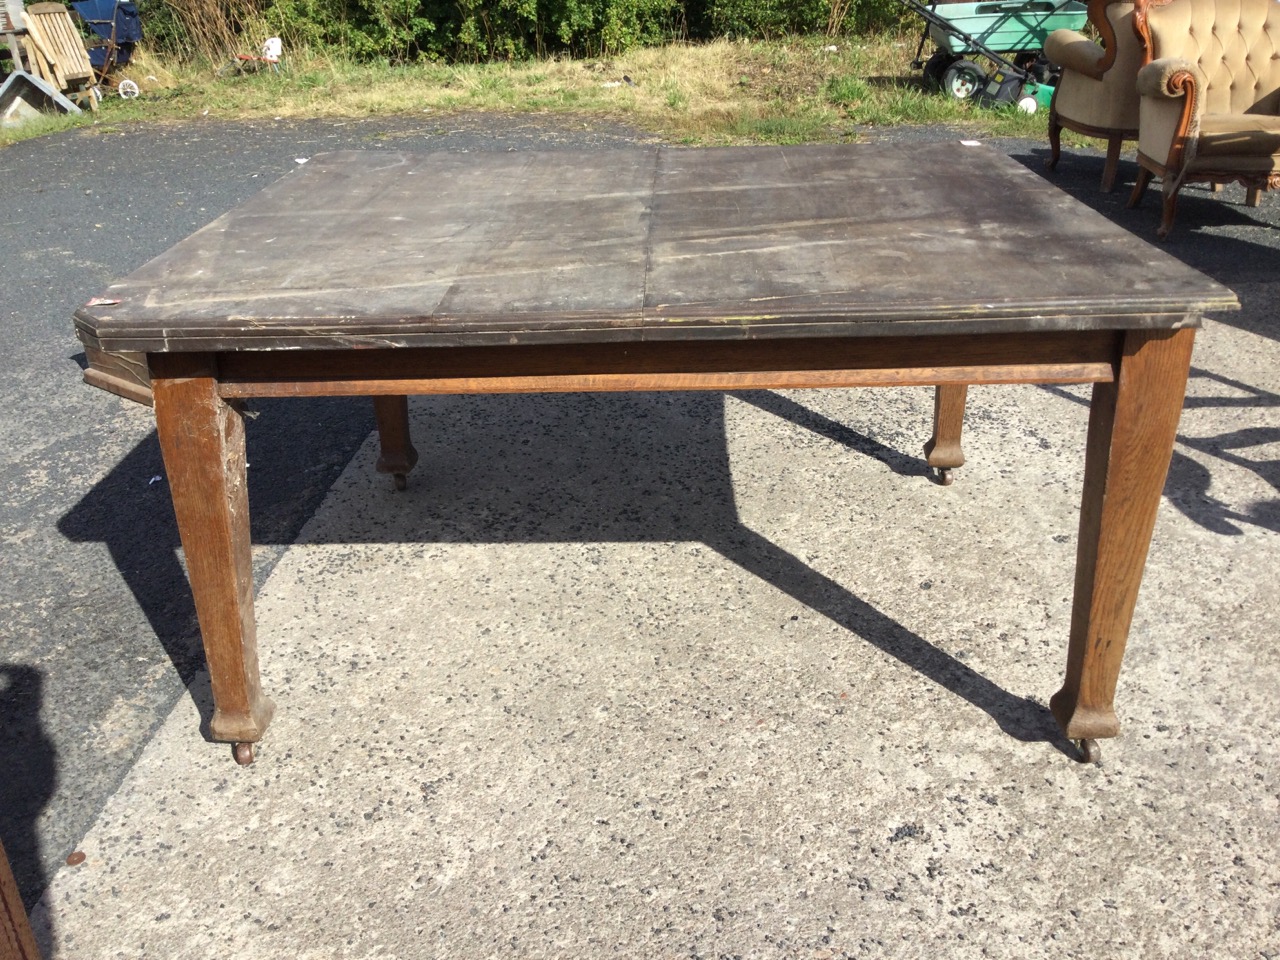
<point>1006,27</point>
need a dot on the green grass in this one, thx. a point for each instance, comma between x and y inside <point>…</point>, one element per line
<point>791,91</point>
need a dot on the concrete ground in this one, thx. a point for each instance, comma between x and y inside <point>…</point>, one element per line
<point>644,675</point>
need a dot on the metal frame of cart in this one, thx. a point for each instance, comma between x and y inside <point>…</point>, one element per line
<point>1009,36</point>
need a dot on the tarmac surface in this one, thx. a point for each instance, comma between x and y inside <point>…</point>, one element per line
<point>645,675</point>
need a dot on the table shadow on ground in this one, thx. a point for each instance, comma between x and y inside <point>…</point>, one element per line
<point>296,450</point>
<point>29,760</point>
<point>1234,261</point>
<point>1188,486</point>
<point>541,469</point>
<point>638,468</point>
<point>1246,266</point>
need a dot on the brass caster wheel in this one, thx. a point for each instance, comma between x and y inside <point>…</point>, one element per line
<point>1090,752</point>
<point>400,480</point>
<point>946,476</point>
<point>243,752</point>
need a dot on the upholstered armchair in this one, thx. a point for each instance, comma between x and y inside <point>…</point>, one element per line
<point>1096,94</point>
<point>1210,98</point>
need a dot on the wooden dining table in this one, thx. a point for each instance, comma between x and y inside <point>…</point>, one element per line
<point>390,274</point>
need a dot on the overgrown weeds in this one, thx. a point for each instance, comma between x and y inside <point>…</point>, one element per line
<point>791,91</point>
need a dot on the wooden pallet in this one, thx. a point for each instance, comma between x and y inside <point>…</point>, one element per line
<point>55,52</point>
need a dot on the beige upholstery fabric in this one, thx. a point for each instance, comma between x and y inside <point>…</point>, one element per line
<point>1160,113</point>
<point>1231,49</point>
<point>1210,98</point>
<point>1238,135</point>
<point>1155,79</point>
<point>1074,51</point>
<point>1106,103</point>
<point>1234,43</point>
<point>1158,122</point>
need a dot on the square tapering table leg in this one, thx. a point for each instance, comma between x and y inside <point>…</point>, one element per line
<point>202,439</point>
<point>1133,423</point>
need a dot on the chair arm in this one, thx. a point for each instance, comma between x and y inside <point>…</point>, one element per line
<point>1170,78</point>
<point>1172,91</point>
<point>1074,51</point>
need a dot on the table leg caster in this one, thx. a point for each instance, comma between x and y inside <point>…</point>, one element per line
<point>1090,752</point>
<point>243,752</point>
<point>946,476</point>
<point>400,480</point>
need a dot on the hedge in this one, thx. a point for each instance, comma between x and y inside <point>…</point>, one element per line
<point>406,31</point>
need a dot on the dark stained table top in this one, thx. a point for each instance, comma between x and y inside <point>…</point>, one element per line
<point>380,249</point>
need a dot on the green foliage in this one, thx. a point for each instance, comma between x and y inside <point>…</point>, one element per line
<point>164,29</point>
<point>408,31</point>
<point>869,16</point>
<point>846,91</point>
<point>398,31</point>
<point>676,98</point>
<point>765,19</point>
<point>514,29</point>
<point>779,128</point>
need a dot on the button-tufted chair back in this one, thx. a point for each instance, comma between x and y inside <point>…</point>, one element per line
<point>1209,100</point>
<point>1234,43</point>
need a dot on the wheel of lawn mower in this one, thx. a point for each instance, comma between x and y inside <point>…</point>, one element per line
<point>935,67</point>
<point>963,79</point>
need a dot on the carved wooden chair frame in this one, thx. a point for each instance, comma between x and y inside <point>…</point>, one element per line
<point>1115,137</point>
<point>1173,176</point>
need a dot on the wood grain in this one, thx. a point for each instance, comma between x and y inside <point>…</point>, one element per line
<point>202,440</point>
<point>396,454</point>
<point>391,274</point>
<point>1132,426</point>
<point>16,939</point>
<point>365,251</point>
<point>1079,357</point>
<point>943,450</point>
<point>124,374</point>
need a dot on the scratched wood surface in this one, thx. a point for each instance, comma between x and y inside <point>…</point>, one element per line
<point>16,939</point>
<point>383,249</point>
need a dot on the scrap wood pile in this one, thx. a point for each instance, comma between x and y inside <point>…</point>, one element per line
<point>51,48</point>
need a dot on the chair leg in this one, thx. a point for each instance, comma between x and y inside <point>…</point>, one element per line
<point>1139,187</point>
<point>1255,196</point>
<point>1170,208</point>
<point>1055,141</point>
<point>1112,164</point>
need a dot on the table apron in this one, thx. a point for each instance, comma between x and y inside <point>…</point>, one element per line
<point>1057,357</point>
